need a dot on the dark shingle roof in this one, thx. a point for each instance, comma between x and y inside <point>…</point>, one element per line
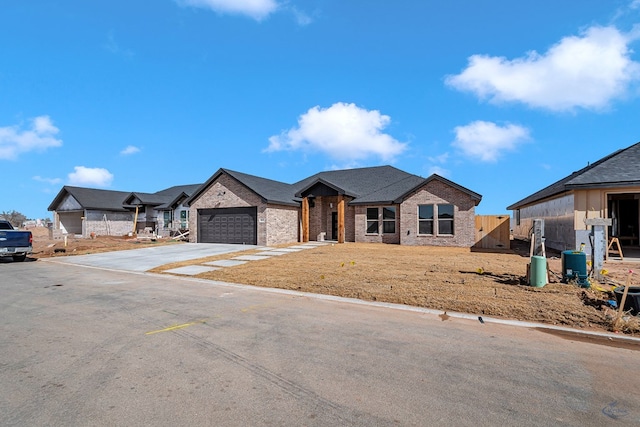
<point>618,169</point>
<point>91,198</point>
<point>356,182</point>
<point>269,190</point>
<point>176,194</point>
<point>379,184</point>
<point>144,198</point>
<point>163,199</point>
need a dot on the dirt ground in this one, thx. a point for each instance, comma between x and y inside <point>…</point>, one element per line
<point>448,279</point>
<point>43,247</point>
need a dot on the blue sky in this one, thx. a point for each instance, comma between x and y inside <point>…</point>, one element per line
<point>503,97</point>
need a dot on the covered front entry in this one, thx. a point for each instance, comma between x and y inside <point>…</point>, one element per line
<point>228,225</point>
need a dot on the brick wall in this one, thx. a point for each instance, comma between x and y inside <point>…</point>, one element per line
<point>320,217</point>
<point>276,224</point>
<point>105,223</point>
<point>226,192</point>
<point>437,192</point>
<point>283,225</point>
<point>360,224</point>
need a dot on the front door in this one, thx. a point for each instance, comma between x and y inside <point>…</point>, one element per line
<point>334,225</point>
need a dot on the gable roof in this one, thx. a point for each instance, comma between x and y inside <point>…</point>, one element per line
<point>619,169</point>
<point>369,185</point>
<point>177,194</point>
<point>269,190</point>
<point>118,201</point>
<point>435,177</point>
<point>91,198</point>
<point>380,184</point>
<point>163,199</point>
<point>357,182</point>
<point>144,199</point>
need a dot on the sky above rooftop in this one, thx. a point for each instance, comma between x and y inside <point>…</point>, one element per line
<point>502,97</point>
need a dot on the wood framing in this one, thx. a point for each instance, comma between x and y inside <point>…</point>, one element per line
<point>341,219</point>
<point>305,219</point>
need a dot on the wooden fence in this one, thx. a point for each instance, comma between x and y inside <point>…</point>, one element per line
<point>493,232</point>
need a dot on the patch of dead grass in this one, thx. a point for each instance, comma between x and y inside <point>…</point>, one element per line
<point>447,279</point>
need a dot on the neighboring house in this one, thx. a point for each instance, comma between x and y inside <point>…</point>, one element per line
<point>608,188</point>
<point>82,211</point>
<point>377,204</point>
<point>162,211</point>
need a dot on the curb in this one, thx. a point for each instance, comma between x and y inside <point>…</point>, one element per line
<point>401,307</point>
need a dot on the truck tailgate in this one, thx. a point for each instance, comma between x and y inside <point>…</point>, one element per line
<point>15,239</point>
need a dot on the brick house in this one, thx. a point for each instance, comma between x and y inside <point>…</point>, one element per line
<point>377,204</point>
<point>81,211</point>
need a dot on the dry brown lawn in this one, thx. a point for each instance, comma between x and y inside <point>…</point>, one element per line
<point>447,279</point>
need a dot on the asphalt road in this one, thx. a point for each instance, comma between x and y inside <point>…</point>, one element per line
<point>84,346</point>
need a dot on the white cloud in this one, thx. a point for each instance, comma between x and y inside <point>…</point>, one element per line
<point>130,149</point>
<point>437,164</point>
<point>635,4</point>
<point>39,137</point>
<point>52,181</point>
<point>256,9</point>
<point>487,141</point>
<point>344,132</point>
<point>438,170</point>
<point>588,72</point>
<point>98,177</point>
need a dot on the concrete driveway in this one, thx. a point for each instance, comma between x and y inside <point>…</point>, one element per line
<point>147,258</point>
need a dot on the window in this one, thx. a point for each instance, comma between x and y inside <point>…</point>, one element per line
<point>425,219</point>
<point>372,220</point>
<point>445,219</point>
<point>517,215</point>
<point>388,220</point>
<point>184,220</point>
<point>427,223</point>
<point>167,219</point>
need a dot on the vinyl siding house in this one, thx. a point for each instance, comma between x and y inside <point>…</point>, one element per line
<point>608,188</point>
<point>378,204</point>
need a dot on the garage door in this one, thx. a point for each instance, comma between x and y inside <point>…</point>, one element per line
<point>228,225</point>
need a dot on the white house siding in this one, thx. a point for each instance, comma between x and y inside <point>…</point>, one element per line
<point>558,215</point>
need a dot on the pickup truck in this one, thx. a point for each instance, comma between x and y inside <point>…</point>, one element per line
<point>14,243</point>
